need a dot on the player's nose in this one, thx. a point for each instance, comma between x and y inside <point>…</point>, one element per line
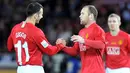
<point>80,16</point>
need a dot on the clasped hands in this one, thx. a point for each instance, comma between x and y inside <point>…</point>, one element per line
<point>74,38</point>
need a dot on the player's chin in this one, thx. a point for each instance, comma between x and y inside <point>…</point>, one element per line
<point>81,22</point>
<point>112,29</point>
<point>37,22</point>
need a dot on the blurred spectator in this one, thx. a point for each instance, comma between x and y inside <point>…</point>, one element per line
<point>73,65</point>
<point>64,30</point>
<point>57,62</point>
<point>2,30</point>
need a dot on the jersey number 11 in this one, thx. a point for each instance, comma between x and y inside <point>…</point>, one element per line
<point>19,47</point>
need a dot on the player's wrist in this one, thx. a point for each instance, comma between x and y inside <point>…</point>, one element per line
<point>60,45</point>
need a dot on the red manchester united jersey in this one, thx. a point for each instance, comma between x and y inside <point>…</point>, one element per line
<point>29,44</point>
<point>117,49</point>
<point>90,52</point>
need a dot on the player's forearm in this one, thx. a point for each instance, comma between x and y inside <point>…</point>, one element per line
<point>97,44</point>
<point>52,50</point>
<point>70,50</point>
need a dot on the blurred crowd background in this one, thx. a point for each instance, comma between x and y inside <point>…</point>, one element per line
<point>60,19</point>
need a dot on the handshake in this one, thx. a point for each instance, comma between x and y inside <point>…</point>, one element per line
<point>74,38</point>
<point>61,41</point>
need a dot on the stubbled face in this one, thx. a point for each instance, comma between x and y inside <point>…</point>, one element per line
<point>113,23</point>
<point>84,16</point>
<point>39,15</point>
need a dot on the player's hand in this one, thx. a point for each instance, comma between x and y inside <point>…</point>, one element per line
<point>61,41</point>
<point>77,38</point>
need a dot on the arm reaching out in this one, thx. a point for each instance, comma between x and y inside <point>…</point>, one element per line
<point>73,51</point>
<point>90,43</point>
<point>45,46</point>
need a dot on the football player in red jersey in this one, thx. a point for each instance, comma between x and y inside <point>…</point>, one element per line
<point>117,47</point>
<point>30,43</point>
<point>89,43</point>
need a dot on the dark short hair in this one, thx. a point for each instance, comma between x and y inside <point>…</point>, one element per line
<point>33,8</point>
<point>92,9</point>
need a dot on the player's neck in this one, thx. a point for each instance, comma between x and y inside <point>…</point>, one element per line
<point>30,20</point>
<point>114,32</point>
<point>89,23</point>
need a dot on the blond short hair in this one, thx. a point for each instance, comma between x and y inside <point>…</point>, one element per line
<point>115,15</point>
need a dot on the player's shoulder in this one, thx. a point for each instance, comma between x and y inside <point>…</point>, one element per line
<point>37,31</point>
<point>16,26</point>
<point>82,30</point>
<point>97,28</point>
<point>32,28</point>
<point>107,33</point>
<point>123,33</point>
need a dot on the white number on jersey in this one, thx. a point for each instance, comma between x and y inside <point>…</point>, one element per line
<point>19,47</point>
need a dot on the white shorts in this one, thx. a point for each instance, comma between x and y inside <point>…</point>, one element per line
<point>118,70</point>
<point>30,69</point>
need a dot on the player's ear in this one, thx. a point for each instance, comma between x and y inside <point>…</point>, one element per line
<point>35,15</point>
<point>91,16</point>
<point>119,23</point>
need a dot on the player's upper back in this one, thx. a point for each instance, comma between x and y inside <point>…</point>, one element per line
<point>23,40</point>
<point>25,34</point>
<point>27,31</point>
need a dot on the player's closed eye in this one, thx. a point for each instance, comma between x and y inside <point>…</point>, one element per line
<point>109,21</point>
<point>114,21</point>
<point>82,13</point>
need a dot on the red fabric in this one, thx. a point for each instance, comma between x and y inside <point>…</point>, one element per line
<point>91,57</point>
<point>117,50</point>
<point>95,44</point>
<point>73,51</point>
<point>34,38</point>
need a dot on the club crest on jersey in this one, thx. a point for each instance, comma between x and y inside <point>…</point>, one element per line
<point>86,36</point>
<point>120,42</point>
